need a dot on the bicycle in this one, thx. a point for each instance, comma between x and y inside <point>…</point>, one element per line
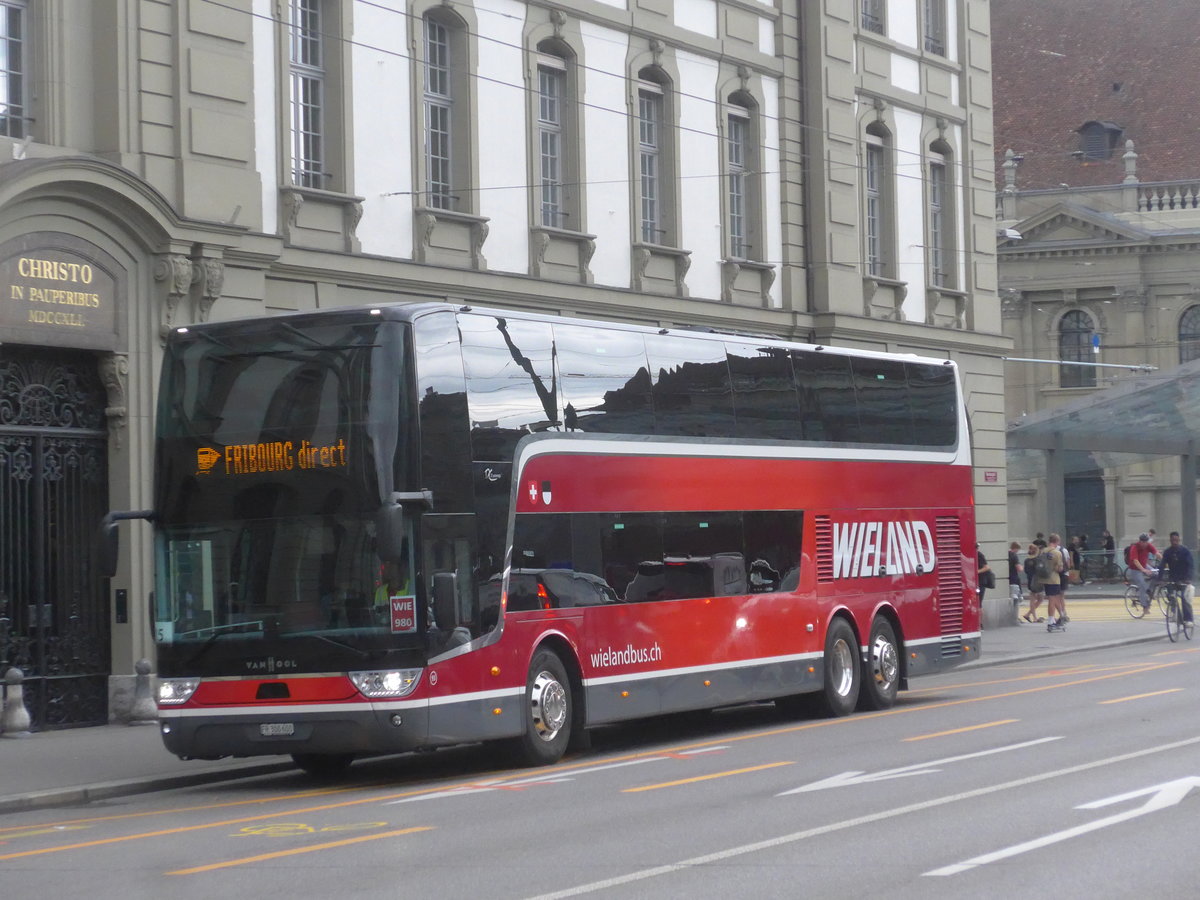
<point>1154,593</point>
<point>1174,614</point>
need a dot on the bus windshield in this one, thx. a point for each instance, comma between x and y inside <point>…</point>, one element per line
<point>256,586</point>
<point>278,443</point>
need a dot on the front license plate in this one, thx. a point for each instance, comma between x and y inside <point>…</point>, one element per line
<point>277,729</point>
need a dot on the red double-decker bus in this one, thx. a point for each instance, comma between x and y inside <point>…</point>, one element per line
<point>417,525</point>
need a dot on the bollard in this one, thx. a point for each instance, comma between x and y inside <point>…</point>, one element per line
<point>144,710</point>
<point>14,722</point>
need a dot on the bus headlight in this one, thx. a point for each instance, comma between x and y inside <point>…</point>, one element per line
<point>173,691</point>
<point>392,683</point>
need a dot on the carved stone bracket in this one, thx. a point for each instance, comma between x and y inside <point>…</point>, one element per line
<point>465,237</point>
<point>292,202</point>
<point>176,272</point>
<point>1012,304</point>
<point>212,272</point>
<point>890,305</point>
<point>353,213</point>
<point>946,307</point>
<point>749,272</point>
<point>655,265</point>
<point>553,249</point>
<point>114,373</point>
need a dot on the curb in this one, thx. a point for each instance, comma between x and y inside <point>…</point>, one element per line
<point>89,793</point>
<point>1042,654</point>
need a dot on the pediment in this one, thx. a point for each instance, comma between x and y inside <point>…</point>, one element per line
<point>1069,225</point>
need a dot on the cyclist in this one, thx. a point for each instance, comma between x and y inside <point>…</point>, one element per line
<point>1179,569</point>
<point>1140,572</point>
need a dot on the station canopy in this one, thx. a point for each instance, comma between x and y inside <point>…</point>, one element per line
<point>1150,415</point>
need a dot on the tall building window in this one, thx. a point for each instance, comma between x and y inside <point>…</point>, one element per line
<point>935,27</point>
<point>655,175</point>
<point>307,93</point>
<point>439,116</point>
<point>1189,335</point>
<point>938,225</point>
<point>14,70</point>
<point>552,82</point>
<point>737,150</point>
<point>872,16</point>
<point>1075,346</point>
<point>650,128</point>
<point>743,198</point>
<point>877,212</point>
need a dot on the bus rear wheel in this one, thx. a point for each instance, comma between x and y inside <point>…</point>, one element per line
<point>548,712</point>
<point>881,668</point>
<point>842,671</point>
<point>323,765</point>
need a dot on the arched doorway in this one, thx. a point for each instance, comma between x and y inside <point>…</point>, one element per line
<point>54,611</point>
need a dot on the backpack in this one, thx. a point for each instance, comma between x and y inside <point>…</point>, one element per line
<point>1045,567</point>
<point>1129,555</point>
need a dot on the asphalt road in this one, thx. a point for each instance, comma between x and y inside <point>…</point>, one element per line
<point>1071,777</point>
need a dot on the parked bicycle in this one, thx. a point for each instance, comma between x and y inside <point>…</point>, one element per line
<point>1176,622</point>
<point>1100,565</point>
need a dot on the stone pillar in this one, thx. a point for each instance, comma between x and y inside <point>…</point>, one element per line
<point>15,720</point>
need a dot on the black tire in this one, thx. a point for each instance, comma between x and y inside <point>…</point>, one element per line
<point>841,670</point>
<point>325,766</point>
<point>548,712</point>
<point>880,668</point>
<point>1132,604</point>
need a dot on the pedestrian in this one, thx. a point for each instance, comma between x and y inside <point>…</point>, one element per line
<point>1053,573</point>
<point>1140,572</point>
<point>1180,568</point>
<point>1014,575</point>
<point>1110,552</point>
<point>986,578</point>
<point>1035,585</point>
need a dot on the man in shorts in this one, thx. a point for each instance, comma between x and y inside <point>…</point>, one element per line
<point>1055,612</point>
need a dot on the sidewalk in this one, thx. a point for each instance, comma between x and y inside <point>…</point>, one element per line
<point>77,766</point>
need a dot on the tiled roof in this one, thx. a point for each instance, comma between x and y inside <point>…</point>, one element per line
<point>1060,63</point>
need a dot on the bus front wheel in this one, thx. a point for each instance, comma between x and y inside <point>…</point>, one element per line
<point>843,673</point>
<point>881,668</point>
<point>548,712</point>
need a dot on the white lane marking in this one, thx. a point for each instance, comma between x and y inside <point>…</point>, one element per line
<point>1163,796</point>
<point>849,779</point>
<point>783,840</point>
<point>492,785</point>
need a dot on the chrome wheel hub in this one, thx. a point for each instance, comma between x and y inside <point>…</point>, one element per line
<point>548,705</point>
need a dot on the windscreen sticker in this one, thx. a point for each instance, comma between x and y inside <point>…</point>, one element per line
<point>275,456</point>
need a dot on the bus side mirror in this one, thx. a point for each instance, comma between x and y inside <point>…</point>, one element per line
<point>390,529</point>
<point>109,540</point>
<point>445,599</point>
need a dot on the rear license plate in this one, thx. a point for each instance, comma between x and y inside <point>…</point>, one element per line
<point>277,729</point>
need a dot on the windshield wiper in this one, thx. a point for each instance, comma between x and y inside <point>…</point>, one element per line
<point>362,654</point>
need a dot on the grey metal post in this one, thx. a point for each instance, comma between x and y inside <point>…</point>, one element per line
<point>15,721</point>
<point>1187,499</point>
<point>1056,489</point>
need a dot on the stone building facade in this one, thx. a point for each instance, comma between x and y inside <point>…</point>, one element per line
<point>814,170</point>
<point>1099,213</point>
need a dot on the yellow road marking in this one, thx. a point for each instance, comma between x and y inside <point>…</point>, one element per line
<point>296,851</point>
<point>667,784</point>
<point>938,734</point>
<point>47,829</point>
<point>1141,696</point>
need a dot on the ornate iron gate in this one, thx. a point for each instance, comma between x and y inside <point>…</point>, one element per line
<point>54,616</point>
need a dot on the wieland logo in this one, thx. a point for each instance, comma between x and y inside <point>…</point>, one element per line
<point>863,549</point>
